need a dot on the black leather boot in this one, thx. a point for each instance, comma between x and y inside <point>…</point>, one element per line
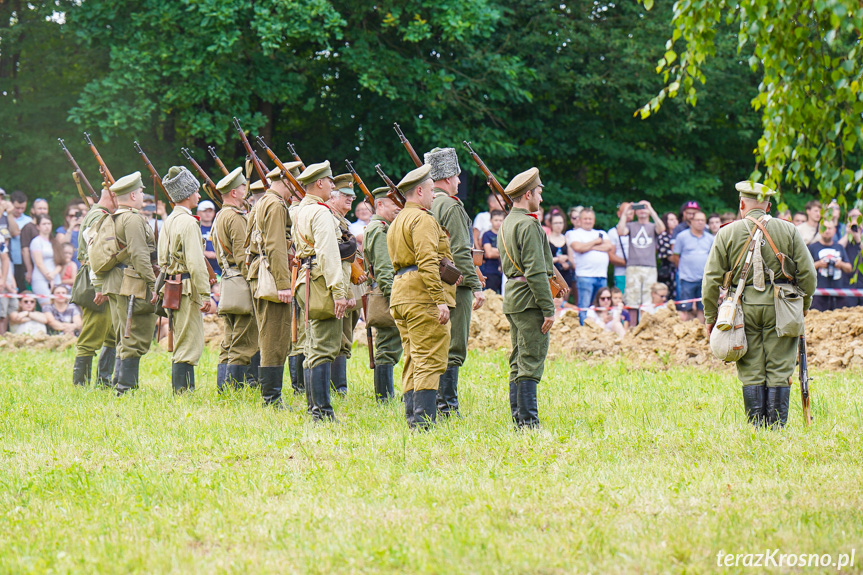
<point>271,384</point>
<point>754,403</point>
<point>105,366</point>
<point>182,377</point>
<point>339,375</point>
<point>81,370</point>
<point>126,374</point>
<point>384,389</point>
<point>513,401</point>
<point>447,396</point>
<point>310,401</point>
<point>252,379</point>
<point>408,398</point>
<point>235,375</point>
<point>777,405</point>
<point>528,411</point>
<point>295,367</point>
<point>115,379</point>
<point>442,387</point>
<point>221,376</point>
<point>322,409</point>
<point>425,408</point>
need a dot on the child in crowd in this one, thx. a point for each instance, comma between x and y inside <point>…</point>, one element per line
<point>69,268</point>
<point>659,299</point>
<point>617,303</point>
<point>491,266</point>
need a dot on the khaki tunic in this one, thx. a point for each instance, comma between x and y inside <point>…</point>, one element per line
<point>97,329</point>
<point>388,344</point>
<point>355,292</point>
<point>135,234</point>
<point>298,347</point>
<point>269,218</point>
<point>181,251</point>
<point>770,359</point>
<point>415,238</point>
<point>526,261</point>
<point>240,341</point>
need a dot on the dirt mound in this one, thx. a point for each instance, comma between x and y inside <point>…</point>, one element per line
<point>39,342</point>
<point>833,338</point>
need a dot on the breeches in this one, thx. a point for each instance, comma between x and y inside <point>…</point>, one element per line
<point>425,343</point>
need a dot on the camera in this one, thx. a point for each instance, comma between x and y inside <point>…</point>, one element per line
<point>638,206</point>
<point>77,214</point>
<point>855,228</point>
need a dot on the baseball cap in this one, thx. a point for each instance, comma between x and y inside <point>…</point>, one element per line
<point>2,192</point>
<point>690,205</point>
<point>206,205</point>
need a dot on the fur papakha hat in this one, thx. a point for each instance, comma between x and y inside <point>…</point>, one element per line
<point>443,162</point>
<point>180,183</point>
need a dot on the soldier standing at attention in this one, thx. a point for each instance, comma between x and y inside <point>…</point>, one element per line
<point>340,203</point>
<point>527,302</point>
<point>322,286</point>
<point>388,345</point>
<point>450,213</point>
<point>181,252</point>
<point>420,300</point>
<point>769,362</point>
<point>97,329</point>
<point>239,358</point>
<point>268,237</point>
<point>133,272</point>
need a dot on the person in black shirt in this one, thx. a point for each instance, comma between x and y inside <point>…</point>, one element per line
<point>831,264</point>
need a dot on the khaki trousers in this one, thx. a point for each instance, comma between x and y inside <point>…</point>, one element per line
<point>425,343</point>
<point>96,332</point>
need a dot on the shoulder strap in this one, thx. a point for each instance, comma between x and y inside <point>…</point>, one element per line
<point>729,275</point>
<point>221,244</point>
<point>779,255</point>
<point>505,249</point>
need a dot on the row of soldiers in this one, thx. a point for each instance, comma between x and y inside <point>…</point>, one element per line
<point>288,294</point>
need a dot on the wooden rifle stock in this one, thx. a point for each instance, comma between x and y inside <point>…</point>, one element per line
<point>218,161</point>
<point>295,270</point>
<point>394,194</point>
<point>295,188</point>
<point>259,166</point>
<point>361,184</point>
<point>170,330</point>
<point>504,200</point>
<point>406,143</point>
<point>369,337</point>
<point>80,174</point>
<point>296,156</point>
<point>209,186</point>
<point>803,364</point>
<point>103,169</point>
<point>130,310</point>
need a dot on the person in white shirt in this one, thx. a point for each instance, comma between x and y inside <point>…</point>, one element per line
<point>591,248</point>
<point>364,214</point>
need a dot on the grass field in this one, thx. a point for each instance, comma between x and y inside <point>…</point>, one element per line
<point>633,471</point>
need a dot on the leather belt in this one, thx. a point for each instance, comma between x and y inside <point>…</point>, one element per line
<point>407,269</point>
<point>308,261</point>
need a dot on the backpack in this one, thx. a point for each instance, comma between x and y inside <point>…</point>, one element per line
<point>103,248</point>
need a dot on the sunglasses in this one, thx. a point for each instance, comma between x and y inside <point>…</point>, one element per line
<point>604,297</point>
<point>28,301</point>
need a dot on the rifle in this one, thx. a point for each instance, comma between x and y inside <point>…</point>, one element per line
<point>80,174</point>
<point>558,285</point>
<point>157,183</point>
<point>103,169</point>
<point>209,186</point>
<point>408,146</point>
<point>298,191</point>
<point>259,166</point>
<point>360,183</point>
<point>295,307</point>
<point>218,161</point>
<point>296,156</point>
<point>804,380</point>
<point>369,337</point>
<point>170,330</point>
<point>394,194</point>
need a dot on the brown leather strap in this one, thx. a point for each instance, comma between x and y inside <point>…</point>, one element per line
<point>779,255</point>
<point>726,283</point>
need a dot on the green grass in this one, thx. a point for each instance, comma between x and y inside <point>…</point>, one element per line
<point>633,471</point>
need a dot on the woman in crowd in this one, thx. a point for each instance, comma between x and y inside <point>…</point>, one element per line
<point>604,314</point>
<point>46,272</point>
<point>559,248</point>
<point>62,316</point>
<point>667,271</point>
<point>27,321</point>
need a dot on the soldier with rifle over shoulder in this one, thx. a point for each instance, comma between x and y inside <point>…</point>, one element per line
<point>181,257</point>
<point>527,302</point>
<point>239,356</point>
<point>322,285</point>
<point>130,282</point>
<point>97,328</point>
<point>449,211</point>
<point>772,339</point>
<point>387,341</point>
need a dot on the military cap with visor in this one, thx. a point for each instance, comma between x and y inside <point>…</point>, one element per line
<point>523,183</point>
<point>345,184</point>
<point>380,193</point>
<point>414,178</point>
<point>315,172</point>
<point>127,184</point>
<point>754,191</point>
<point>231,182</point>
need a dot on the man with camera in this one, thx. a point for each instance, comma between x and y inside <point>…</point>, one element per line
<point>641,263</point>
<point>832,263</point>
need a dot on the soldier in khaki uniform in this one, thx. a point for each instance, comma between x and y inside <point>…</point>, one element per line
<point>388,345</point>
<point>133,273</point>
<point>420,300</point>
<point>451,215</point>
<point>239,347</point>
<point>769,362</point>
<point>268,238</point>
<point>527,301</point>
<point>97,329</point>
<point>340,203</point>
<point>321,287</point>
<point>181,252</point>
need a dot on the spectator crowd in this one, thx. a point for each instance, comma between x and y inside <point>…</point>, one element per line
<point>644,263</point>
